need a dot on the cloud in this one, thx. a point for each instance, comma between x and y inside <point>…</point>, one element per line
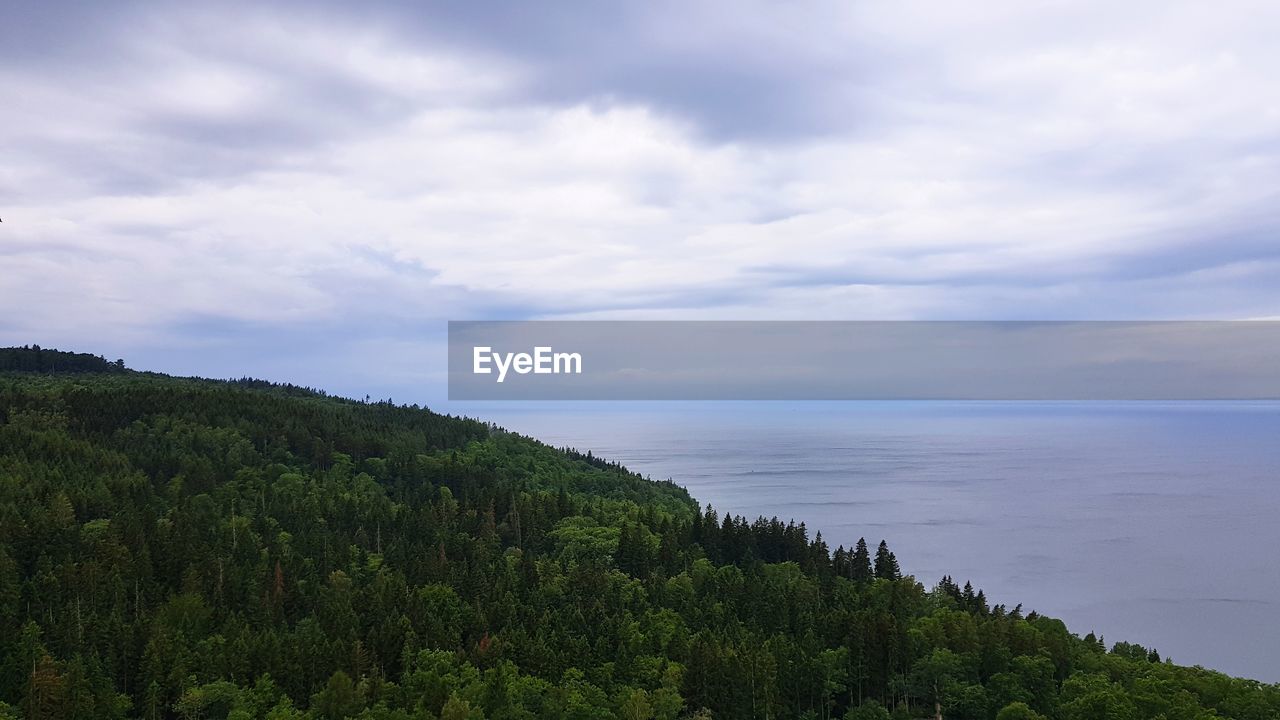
<point>372,173</point>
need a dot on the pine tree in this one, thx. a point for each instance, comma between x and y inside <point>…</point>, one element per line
<point>46,688</point>
<point>886,563</point>
<point>861,570</point>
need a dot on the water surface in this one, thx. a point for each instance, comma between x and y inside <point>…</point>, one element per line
<point>1149,522</point>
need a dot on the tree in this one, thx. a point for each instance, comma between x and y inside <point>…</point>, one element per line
<point>45,690</point>
<point>935,675</point>
<point>861,562</point>
<point>338,699</point>
<point>635,706</point>
<point>1018,711</point>
<point>1090,696</point>
<point>886,563</point>
<point>869,710</point>
<point>455,708</point>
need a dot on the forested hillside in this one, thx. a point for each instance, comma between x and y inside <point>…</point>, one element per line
<point>205,549</point>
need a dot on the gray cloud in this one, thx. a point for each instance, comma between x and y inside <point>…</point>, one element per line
<point>184,175</point>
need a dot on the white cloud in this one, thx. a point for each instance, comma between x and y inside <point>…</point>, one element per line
<point>1060,165</point>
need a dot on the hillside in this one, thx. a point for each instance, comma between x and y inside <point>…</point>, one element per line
<point>175,547</point>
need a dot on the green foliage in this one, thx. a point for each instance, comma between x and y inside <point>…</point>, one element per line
<point>1018,711</point>
<point>869,710</point>
<point>33,358</point>
<point>177,548</point>
<point>339,699</point>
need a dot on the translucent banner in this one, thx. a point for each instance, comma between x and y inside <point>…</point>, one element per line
<point>820,360</point>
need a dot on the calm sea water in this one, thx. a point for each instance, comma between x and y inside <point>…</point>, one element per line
<point>1154,523</point>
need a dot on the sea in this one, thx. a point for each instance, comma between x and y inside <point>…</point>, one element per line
<point>1150,522</point>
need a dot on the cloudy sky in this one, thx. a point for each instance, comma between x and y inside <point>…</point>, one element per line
<point>308,194</point>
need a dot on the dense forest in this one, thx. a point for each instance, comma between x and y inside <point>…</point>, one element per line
<point>184,548</point>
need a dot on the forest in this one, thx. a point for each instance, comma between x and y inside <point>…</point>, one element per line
<point>205,549</point>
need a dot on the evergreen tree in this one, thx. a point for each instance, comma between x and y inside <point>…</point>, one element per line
<point>861,562</point>
<point>886,563</point>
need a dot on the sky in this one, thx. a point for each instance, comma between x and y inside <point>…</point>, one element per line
<point>307,192</point>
